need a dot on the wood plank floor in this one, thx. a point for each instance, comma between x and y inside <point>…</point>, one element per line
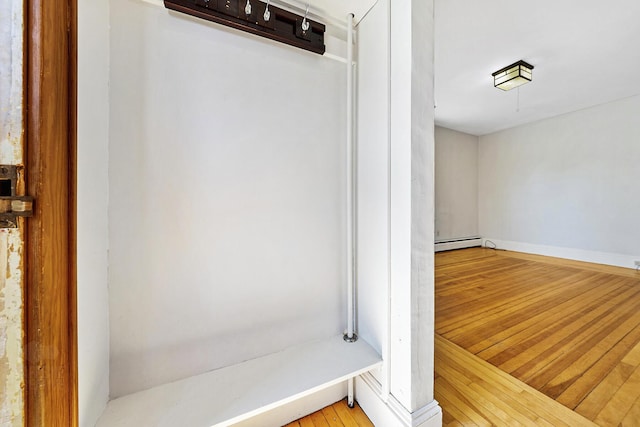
<point>568,329</point>
<point>474,392</point>
<point>337,415</point>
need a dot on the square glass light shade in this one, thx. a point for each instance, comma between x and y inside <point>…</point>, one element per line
<point>513,76</point>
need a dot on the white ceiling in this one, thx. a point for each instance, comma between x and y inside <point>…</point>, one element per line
<point>585,53</point>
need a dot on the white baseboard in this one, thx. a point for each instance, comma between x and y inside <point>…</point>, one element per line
<point>391,413</point>
<point>618,260</point>
<point>447,245</point>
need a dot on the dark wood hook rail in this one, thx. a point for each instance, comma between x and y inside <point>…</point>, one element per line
<point>282,25</point>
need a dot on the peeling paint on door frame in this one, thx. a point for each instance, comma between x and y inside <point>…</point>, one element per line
<point>11,241</point>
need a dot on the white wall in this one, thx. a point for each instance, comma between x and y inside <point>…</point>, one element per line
<point>456,165</point>
<point>566,186</point>
<point>93,139</point>
<point>227,213</point>
<point>373,180</point>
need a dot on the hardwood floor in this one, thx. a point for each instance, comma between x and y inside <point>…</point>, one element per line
<point>474,392</point>
<point>568,329</point>
<point>337,415</point>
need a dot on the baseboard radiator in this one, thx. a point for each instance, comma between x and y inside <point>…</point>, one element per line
<point>467,242</point>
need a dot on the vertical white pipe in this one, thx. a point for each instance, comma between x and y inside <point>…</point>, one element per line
<point>350,192</point>
<point>350,399</point>
<point>350,202</point>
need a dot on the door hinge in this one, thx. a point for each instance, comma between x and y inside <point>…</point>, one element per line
<point>12,206</point>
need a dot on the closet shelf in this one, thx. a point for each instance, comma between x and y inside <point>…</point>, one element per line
<point>238,392</point>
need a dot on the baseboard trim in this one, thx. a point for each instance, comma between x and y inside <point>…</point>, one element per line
<point>391,413</point>
<point>447,245</point>
<point>618,260</point>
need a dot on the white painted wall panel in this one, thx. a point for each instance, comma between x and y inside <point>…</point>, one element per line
<point>227,215</point>
<point>373,179</point>
<point>568,182</point>
<point>412,203</point>
<point>422,202</point>
<point>400,201</point>
<point>93,198</point>
<point>396,194</point>
<point>456,169</point>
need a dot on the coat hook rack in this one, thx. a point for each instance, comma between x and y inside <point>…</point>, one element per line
<point>267,14</point>
<point>258,18</point>
<point>305,23</point>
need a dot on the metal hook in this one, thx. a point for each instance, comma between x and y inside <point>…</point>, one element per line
<point>305,23</point>
<point>267,13</point>
<point>247,8</point>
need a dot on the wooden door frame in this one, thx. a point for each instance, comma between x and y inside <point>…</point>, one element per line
<point>51,366</point>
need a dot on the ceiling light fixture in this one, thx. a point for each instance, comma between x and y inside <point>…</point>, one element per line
<point>513,76</point>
